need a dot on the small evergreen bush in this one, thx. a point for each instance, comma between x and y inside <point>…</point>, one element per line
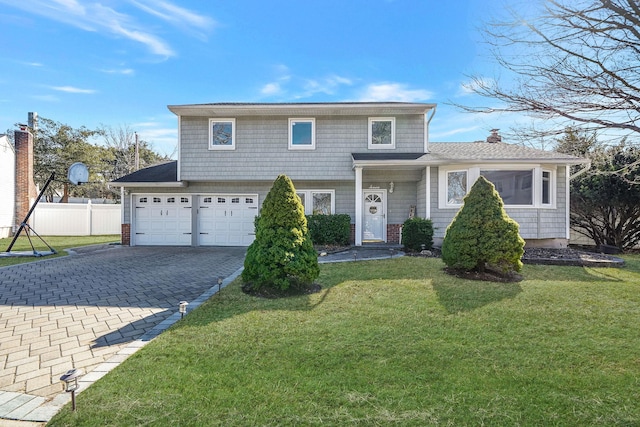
<point>417,232</point>
<point>282,255</point>
<point>482,234</point>
<point>329,229</point>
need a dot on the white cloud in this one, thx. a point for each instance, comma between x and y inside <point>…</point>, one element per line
<point>326,85</point>
<point>296,87</point>
<point>176,15</point>
<point>380,92</point>
<point>95,17</point>
<point>72,89</point>
<point>269,89</point>
<point>46,98</point>
<point>124,71</point>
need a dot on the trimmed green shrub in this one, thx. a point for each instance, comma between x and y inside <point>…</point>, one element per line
<point>329,229</point>
<point>482,234</point>
<point>282,255</point>
<point>417,232</point>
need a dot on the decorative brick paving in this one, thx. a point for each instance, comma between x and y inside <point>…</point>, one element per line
<point>82,310</point>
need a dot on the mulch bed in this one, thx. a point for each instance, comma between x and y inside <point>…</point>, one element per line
<point>269,293</point>
<point>488,275</point>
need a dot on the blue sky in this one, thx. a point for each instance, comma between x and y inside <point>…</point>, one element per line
<point>121,62</point>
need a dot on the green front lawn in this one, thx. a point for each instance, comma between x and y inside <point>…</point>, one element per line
<point>59,243</point>
<point>392,342</point>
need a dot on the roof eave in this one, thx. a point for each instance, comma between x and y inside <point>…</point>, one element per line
<point>172,184</point>
<point>301,108</point>
<point>515,161</point>
<point>424,162</point>
<point>390,163</point>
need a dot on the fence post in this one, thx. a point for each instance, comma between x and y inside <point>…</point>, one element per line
<point>89,218</point>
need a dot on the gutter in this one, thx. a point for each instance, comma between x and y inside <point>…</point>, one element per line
<point>172,184</point>
<point>426,129</point>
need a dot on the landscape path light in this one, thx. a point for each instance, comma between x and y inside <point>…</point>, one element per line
<point>70,384</point>
<point>182,308</point>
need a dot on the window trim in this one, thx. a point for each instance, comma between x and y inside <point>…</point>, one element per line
<point>308,195</point>
<point>233,134</point>
<point>446,175</point>
<point>311,146</point>
<point>473,173</point>
<point>370,143</point>
<point>535,187</point>
<point>552,188</point>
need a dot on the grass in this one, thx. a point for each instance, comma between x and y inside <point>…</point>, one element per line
<point>392,342</point>
<point>59,243</point>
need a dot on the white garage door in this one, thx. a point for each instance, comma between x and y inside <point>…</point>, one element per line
<point>162,220</point>
<point>227,220</point>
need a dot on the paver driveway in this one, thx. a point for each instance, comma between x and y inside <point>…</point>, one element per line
<point>78,311</point>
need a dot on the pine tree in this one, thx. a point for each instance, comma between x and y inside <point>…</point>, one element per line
<point>282,255</point>
<point>482,234</point>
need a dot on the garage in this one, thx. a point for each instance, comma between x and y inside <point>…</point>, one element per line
<point>221,219</point>
<point>226,219</point>
<point>162,220</point>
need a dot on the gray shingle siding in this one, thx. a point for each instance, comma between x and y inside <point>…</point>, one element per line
<point>262,148</point>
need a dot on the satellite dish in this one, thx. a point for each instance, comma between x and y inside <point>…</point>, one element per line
<point>78,173</point>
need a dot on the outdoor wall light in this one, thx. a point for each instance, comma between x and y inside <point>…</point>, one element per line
<point>70,384</point>
<point>391,186</point>
<point>182,308</point>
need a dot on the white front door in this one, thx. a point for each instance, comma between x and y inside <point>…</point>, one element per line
<point>375,222</point>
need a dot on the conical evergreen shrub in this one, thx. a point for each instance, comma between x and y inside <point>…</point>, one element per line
<point>482,234</point>
<point>282,255</point>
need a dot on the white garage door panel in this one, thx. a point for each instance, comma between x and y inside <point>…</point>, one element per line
<point>162,220</point>
<point>227,220</point>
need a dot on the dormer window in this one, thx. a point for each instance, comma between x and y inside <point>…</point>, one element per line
<point>382,132</point>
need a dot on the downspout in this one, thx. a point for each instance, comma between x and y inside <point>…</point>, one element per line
<point>586,167</point>
<point>179,148</point>
<point>426,130</point>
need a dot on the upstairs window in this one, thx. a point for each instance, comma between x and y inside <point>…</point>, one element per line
<point>302,134</point>
<point>382,132</point>
<point>222,134</point>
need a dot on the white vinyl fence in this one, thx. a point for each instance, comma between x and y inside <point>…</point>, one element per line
<point>75,219</point>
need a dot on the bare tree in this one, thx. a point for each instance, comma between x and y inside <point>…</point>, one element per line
<point>576,62</point>
<point>120,143</point>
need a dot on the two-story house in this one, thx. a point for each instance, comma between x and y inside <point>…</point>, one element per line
<point>370,160</point>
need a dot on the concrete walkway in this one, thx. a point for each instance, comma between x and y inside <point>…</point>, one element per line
<point>91,311</point>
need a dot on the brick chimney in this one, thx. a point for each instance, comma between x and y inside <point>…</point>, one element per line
<point>26,191</point>
<point>494,137</point>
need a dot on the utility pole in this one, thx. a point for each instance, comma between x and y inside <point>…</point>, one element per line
<point>137,160</point>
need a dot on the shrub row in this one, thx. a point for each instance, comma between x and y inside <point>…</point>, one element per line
<point>329,229</point>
